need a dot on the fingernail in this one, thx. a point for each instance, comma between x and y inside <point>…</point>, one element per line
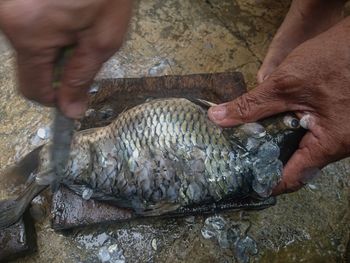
<point>218,112</point>
<point>310,174</point>
<point>75,109</point>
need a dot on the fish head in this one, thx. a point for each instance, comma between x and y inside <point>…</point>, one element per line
<point>282,130</point>
<point>265,147</point>
<point>282,138</point>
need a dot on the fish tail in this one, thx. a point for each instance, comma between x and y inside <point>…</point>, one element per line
<point>12,210</point>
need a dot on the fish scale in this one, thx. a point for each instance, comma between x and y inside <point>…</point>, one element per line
<point>167,151</point>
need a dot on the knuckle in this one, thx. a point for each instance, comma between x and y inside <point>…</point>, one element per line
<point>243,106</point>
<point>77,83</point>
<point>291,86</point>
<point>107,46</point>
<point>282,81</point>
<point>80,78</point>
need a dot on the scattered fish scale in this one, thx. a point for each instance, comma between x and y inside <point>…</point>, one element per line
<point>231,235</point>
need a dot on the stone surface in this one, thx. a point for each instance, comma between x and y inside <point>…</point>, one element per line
<point>18,240</point>
<point>184,37</point>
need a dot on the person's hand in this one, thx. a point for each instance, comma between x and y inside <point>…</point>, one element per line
<point>38,30</point>
<point>314,79</point>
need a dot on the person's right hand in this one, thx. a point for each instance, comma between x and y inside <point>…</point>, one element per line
<point>38,30</point>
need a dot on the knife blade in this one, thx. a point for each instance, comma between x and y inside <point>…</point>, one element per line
<point>62,127</point>
<point>63,130</point>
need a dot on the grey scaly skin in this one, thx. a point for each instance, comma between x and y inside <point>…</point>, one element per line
<point>168,152</point>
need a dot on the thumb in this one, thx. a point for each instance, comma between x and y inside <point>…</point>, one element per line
<point>304,165</point>
<point>78,75</point>
<point>263,101</point>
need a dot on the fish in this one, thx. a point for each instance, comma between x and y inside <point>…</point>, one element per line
<point>166,154</point>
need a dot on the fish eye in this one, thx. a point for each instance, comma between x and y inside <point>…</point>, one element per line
<point>291,122</point>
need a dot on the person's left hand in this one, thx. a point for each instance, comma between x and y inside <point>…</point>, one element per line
<point>313,79</point>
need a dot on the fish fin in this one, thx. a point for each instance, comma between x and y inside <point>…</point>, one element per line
<point>159,209</point>
<point>100,196</point>
<point>11,212</point>
<point>148,99</point>
<point>204,103</point>
<point>21,171</point>
<point>79,190</point>
<point>88,131</point>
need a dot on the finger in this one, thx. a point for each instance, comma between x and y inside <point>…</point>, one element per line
<point>263,101</point>
<point>96,45</point>
<point>35,76</point>
<point>78,74</point>
<point>304,165</point>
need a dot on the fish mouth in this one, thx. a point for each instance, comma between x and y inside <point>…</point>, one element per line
<point>289,143</point>
<point>286,132</point>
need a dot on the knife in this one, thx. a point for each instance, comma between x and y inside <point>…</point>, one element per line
<point>62,127</point>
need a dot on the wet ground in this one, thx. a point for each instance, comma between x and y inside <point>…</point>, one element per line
<point>184,37</point>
